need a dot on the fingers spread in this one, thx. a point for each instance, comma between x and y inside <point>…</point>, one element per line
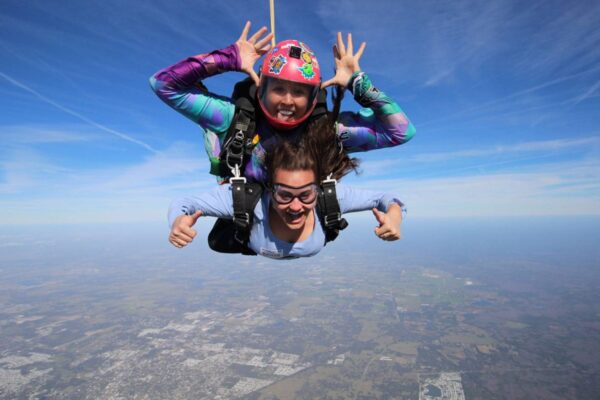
<point>245,31</point>
<point>350,49</point>
<point>340,44</point>
<point>360,51</point>
<point>258,34</point>
<point>263,44</point>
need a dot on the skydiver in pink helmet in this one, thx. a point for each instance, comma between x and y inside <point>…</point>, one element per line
<point>279,103</point>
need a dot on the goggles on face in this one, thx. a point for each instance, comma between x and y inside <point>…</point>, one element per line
<point>283,194</point>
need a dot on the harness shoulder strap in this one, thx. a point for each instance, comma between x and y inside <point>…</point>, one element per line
<point>329,210</point>
<point>232,236</point>
<point>237,145</point>
<point>245,197</point>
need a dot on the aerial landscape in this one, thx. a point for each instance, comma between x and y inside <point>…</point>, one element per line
<point>169,325</point>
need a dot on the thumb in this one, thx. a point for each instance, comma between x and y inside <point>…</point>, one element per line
<point>195,216</point>
<point>254,77</point>
<point>379,216</point>
<point>327,83</point>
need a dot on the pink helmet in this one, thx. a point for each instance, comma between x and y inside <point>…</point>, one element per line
<point>292,61</point>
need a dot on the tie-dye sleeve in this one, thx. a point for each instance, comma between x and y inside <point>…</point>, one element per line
<point>381,123</point>
<point>177,86</point>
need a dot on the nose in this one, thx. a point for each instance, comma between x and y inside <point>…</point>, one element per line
<point>296,205</point>
<point>287,98</point>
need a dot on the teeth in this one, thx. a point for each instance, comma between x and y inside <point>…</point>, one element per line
<point>294,215</point>
<point>286,113</point>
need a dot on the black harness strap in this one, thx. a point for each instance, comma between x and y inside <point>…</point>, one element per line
<point>329,210</point>
<point>232,236</point>
<point>238,145</point>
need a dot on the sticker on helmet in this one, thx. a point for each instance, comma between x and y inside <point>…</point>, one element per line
<point>307,71</point>
<point>276,64</point>
<point>306,57</point>
<point>305,48</point>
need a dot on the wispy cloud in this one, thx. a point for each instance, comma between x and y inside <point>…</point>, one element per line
<point>42,134</point>
<point>433,42</point>
<point>526,147</point>
<point>514,103</point>
<point>495,157</point>
<point>587,94</point>
<point>563,188</point>
<point>136,191</point>
<point>77,115</point>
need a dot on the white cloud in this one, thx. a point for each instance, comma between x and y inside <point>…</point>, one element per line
<point>77,115</point>
<point>43,134</point>
<point>133,192</point>
<point>432,42</point>
<point>526,147</point>
<point>563,188</point>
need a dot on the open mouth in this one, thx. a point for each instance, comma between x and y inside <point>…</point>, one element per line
<point>285,115</point>
<point>294,217</point>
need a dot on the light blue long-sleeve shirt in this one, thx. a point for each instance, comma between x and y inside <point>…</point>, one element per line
<point>219,203</point>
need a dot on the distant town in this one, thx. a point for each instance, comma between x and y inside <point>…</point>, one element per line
<point>315,331</point>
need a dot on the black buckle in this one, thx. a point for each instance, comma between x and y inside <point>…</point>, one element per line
<point>332,219</point>
<point>241,219</point>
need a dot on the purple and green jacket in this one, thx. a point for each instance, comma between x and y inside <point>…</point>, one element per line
<point>381,123</point>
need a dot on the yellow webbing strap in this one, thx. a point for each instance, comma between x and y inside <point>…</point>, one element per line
<point>272,3</point>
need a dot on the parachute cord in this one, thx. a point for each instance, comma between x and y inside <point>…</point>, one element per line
<point>272,4</point>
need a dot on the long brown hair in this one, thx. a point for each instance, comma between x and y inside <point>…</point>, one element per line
<point>321,136</point>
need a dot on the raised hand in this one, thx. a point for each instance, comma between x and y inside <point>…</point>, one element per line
<point>182,232</point>
<point>346,62</point>
<point>389,223</point>
<point>252,49</point>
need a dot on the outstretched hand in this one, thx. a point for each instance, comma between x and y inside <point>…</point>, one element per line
<point>182,232</point>
<point>252,49</point>
<point>346,62</point>
<point>389,223</point>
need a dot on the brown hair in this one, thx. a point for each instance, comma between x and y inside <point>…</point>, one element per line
<point>321,136</point>
<point>291,156</point>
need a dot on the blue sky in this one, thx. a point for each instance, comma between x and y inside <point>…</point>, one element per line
<point>504,96</point>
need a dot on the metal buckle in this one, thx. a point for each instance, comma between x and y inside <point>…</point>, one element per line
<point>332,219</point>
<point>330,179</point>
<point>236,178</point>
